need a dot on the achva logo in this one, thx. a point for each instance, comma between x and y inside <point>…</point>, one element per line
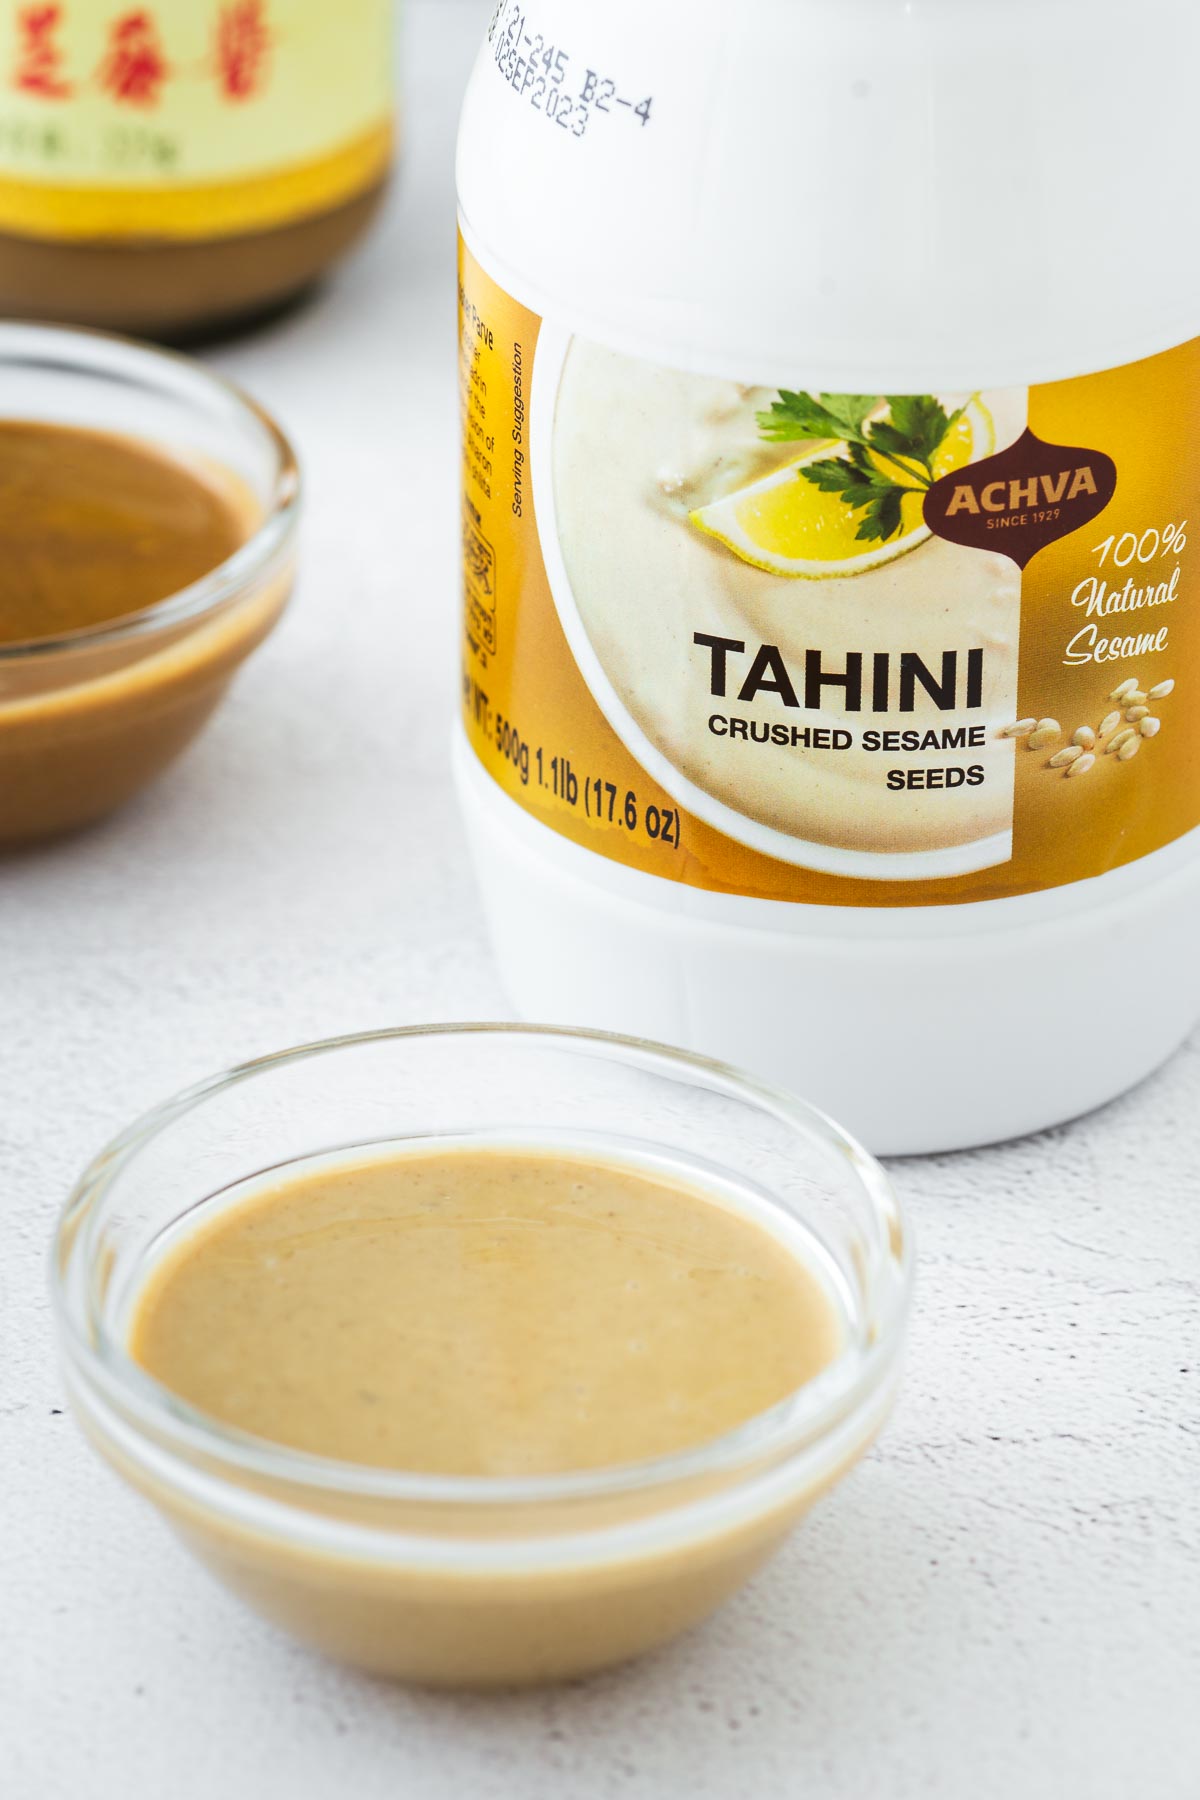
<point>1019,496</point>
<point>1021,499</point>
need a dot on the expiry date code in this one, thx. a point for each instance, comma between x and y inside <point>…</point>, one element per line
<point>553,81</point>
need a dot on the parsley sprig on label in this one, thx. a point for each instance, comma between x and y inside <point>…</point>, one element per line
<point>885,458</point>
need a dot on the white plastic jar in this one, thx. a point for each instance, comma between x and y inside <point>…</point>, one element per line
<point>830,382</point>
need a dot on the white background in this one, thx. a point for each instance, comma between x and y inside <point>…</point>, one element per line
<point>1003,1601</point>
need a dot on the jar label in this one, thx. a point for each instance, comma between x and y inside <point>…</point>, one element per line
<point>188,118</point>
<point>845,649</point>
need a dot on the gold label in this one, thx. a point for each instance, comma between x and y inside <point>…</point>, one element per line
<point>843,649</point>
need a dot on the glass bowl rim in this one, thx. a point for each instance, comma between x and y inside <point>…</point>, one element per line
<point>800,1422</point>
<point>68,348</point>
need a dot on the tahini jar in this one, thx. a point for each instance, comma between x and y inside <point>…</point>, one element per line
<point>830,373</point>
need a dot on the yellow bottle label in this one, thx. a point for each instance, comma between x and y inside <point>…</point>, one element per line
<point>842,649</point>
<point>188,118</point>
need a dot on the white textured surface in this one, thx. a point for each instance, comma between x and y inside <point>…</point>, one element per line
<point>1002,1603</point>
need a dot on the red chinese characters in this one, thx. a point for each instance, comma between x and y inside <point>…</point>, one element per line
<point>243,48</point>
<point>39,65</point>
<point>135,66</point>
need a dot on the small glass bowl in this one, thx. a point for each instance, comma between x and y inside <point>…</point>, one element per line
<point>89,717</point>
<point>483,1582</point>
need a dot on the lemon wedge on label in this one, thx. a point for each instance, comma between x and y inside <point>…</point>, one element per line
<point>785,524</point>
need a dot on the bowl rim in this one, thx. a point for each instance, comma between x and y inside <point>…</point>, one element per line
<point>801,1423</point>
<point>108,355</point>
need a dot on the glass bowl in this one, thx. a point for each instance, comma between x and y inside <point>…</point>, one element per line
<point>465,1581</point>
<point>89,717</point>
